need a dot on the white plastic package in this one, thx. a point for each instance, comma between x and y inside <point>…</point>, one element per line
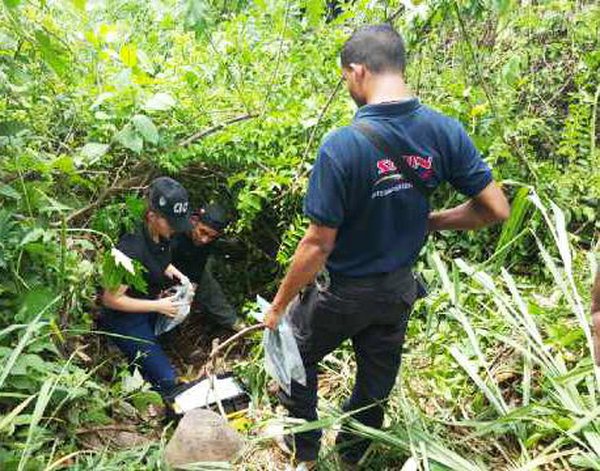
<point>185,294</point>
<point>282,357</point>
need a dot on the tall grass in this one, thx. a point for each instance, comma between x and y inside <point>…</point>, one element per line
<point>550,415</point>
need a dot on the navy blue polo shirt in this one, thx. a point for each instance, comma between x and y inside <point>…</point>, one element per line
<point>381,219</point>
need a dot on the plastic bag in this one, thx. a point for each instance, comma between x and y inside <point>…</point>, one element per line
<point>282,357</point>
<point>184,293</point>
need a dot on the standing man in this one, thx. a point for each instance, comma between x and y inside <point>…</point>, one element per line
<point>369,217</point>
<point>192,254</point>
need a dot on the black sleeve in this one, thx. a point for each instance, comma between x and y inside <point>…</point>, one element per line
<point>188,258</point>
<point>130,246</point>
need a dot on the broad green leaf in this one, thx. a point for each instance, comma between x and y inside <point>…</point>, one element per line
<point>92,152</point>
<point>53,204</point>
<point>146,128</point>
<point>511,71</point>
<point>53,53</point>
<point>503,6</point>
<point>133,382</point>
<point>11,128</point>
<point>145,63</point>
<point>160,102</point>
<point>128,55</point>
<point>101,99</point>
<point>115,274</point>
<point>9,192</point>
<point>33,236</point>
<point>130,138</point>
<point>122,79</point>
<point>122,260</point>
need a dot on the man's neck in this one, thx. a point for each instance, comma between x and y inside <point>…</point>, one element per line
<point>388,88</point>
<point>153,233</point>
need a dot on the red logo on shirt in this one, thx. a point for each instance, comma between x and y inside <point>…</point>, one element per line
<point>417,162</point>
<point>385,166</point>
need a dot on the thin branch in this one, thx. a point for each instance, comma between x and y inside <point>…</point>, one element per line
<point>94,204</point>
<point>484,85</point>
<point>394,16</point>
<point>234,338</point>
<point>205,132</point>
<point>316,126</point>
<point>277,60</point>
<point>236,84</point>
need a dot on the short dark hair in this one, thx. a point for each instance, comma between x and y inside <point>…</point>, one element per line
<point>378,47</point>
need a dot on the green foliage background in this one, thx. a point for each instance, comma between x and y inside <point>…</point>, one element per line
<point>233,98</point>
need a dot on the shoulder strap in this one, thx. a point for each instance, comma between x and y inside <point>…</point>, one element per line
<point>382,145</point>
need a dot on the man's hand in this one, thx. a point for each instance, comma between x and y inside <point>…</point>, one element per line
<point>310,256</point>
<point>168,306</point>
<point>174,274</point>
<point>488,207</point>
<point>273,317</point>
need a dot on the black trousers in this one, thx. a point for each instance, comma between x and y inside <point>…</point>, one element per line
<point>373,312</point>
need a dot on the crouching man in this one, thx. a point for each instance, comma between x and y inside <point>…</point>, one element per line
<point>192,252</point>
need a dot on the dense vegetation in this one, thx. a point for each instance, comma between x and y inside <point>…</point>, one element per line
<point>233,98</point>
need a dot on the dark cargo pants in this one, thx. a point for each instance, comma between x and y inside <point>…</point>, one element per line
<point>373,312</point>
<point>212,299</point>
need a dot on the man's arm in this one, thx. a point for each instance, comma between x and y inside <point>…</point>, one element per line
<point>486,208</point>
<point>119,301</point>
<point>309,258</point>
<point>596,317</point>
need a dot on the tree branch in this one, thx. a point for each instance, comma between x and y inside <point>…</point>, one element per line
<point>103,195</point>
<point>205,132</point>
<point>218,347</point>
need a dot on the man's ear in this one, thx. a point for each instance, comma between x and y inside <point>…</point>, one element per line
<point>358,70</point>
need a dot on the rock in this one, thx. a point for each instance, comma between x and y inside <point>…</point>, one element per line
<point>202,435</point>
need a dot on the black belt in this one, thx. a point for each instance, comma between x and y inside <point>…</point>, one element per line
<point>399,275</point>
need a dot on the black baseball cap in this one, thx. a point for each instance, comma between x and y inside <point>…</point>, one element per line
<point>214,216</point>
<point>170,199</point>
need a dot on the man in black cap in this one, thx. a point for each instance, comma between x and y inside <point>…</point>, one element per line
<point>132,314</point>
<point>192,252</point>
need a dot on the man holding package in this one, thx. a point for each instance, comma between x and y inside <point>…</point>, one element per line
<point>132,315</point>
<point>368,205</point>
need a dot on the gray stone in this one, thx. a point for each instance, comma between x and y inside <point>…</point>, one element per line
<point>202,435</point>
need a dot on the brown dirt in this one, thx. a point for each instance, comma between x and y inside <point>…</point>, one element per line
<point>190,344</point>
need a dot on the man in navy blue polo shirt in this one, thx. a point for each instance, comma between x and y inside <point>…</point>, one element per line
<point>368,224</point>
